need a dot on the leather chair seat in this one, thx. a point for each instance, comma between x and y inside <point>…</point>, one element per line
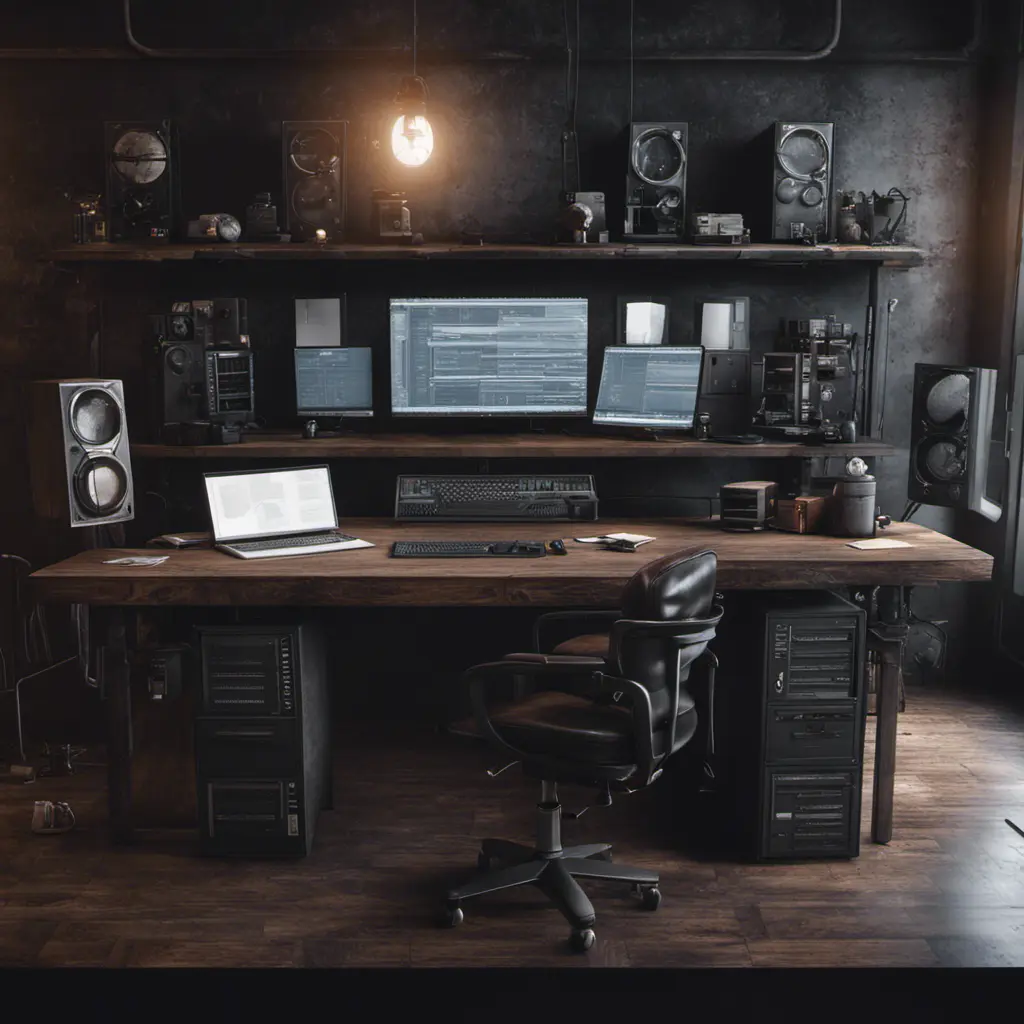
<point>563,726</point>
<point>591,645</point>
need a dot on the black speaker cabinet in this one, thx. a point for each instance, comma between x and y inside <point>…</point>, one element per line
<point>79,458</point>
<point>656,181</point>
<point>314,178</point>
<point>263,744</point>
<point>142,181</point>
<point>802,184</point>
<point>950,436</point>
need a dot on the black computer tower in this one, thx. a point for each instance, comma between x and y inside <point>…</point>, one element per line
<point>790,712</point>
<point>263,750</point>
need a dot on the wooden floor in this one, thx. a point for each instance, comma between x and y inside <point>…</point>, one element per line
<point>948,890</point>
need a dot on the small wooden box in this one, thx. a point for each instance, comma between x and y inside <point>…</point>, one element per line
<point>800,515</point>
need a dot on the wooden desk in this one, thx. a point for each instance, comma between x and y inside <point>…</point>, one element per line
<point>585,578</point>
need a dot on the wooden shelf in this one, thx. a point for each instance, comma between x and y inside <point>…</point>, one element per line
<point>890,255</point>
<point>494,446</point>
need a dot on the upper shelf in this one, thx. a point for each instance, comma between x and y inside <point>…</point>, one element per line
<point>886,255</point>
<point>494,446</point>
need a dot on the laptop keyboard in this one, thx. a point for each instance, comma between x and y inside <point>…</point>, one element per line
<point>306,540</point>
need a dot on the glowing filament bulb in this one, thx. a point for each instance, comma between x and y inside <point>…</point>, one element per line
<point>412,140</point>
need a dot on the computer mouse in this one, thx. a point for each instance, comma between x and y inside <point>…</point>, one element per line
<point>558,547</point>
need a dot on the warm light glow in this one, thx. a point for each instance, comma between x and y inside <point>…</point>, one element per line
<point>412,140</point>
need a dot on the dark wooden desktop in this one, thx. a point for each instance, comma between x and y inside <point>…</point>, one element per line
<point>586,577</point>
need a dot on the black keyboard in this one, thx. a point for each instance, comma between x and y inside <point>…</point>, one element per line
<point>467,549</point>
<point>305,540</point>
<point>487,498</point>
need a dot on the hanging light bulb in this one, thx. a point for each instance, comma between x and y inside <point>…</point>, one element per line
<point>412,138</point>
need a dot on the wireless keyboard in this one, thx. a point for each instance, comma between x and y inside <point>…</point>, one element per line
<point>488,498</point>
<point>467,549</point>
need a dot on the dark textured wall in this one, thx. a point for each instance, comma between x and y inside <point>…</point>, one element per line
<point>906,124</point>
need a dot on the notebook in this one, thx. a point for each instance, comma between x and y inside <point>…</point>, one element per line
<point>277,512</point>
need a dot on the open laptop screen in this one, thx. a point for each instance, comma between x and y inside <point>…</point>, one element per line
<point>270,503</point>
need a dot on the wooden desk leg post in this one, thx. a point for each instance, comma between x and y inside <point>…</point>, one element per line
<point>890,642</point>
<point>116,693</point>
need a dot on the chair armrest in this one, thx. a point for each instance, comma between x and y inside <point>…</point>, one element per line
<point>587,676</point>
<point>565,660</point>
<point>694,631</point>
<point>585,620</point>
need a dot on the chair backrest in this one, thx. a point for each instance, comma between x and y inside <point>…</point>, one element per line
<point>679,587</point>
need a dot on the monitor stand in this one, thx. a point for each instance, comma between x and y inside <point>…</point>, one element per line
<point>324,426</point>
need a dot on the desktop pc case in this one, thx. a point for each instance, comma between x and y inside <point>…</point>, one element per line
<point>789,720</point>
<point>263,745</point>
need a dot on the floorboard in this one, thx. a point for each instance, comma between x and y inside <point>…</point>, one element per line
<point>411,806</point>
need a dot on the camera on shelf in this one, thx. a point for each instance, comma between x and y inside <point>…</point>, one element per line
<point>719,229</point>
<point>261,223</point>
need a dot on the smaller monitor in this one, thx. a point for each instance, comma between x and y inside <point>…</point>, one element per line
<point>649,387</point>
<point>333,382</point>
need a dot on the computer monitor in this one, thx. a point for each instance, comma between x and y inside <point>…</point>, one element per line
<point>649,387</point>
<point>333,382</point>
<point>489,357</point>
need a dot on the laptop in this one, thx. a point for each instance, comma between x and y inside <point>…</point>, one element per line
<point>270,513</point>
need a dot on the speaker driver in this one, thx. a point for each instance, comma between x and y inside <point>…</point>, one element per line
<point>178,360</point>
<point>94,417</point>
<point>803,154</point>
<point>948,401</point>
<point>101,484</point>
<point>941,460</point>
<point>658,156</point>
<point>139,157</point>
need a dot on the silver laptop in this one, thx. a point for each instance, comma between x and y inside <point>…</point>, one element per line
<point>270,513</point>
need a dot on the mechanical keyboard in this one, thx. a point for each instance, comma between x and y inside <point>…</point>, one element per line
<point>467,549</point>
<point>487,498</point>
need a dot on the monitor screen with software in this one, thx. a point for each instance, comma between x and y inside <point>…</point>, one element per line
<point>649,387</point>
<point>486,357</point>
<point>270,503</point>
<point>333,382</point>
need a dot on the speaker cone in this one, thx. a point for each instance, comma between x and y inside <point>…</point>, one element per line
<point>657,156</point>
<point>94,417</point>
<point>803,154</point>
<point>941,459</point>
<point>948,400</point>
<point>101,484</point>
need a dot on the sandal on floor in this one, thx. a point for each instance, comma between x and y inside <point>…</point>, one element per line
<point>49,818</point>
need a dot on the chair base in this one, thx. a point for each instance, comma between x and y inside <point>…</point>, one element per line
<point>554,871</point>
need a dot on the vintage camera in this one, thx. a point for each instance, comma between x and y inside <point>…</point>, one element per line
<point>90,222</point>
<point>582,218</point>
<point>261,223</point>
<point>390,215</point>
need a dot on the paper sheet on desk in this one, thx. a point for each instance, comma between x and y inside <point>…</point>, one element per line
<point>137,560</point>
<point>878,544</point>
<point>630,538</point>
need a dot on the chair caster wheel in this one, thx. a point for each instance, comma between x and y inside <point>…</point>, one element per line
<point>451,916</point>
<point>650,898</point>
<point>582,940</point>
<point>483,862</point>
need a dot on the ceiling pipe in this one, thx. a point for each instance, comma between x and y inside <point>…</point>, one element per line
<point>401,54</point>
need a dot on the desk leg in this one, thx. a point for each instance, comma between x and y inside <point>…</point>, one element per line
<point>114,683</point>
<point>890,642</point>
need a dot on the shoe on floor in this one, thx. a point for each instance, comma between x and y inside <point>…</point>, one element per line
<point>49,818</point>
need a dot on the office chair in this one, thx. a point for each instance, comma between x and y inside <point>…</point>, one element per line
<point>609,721</point>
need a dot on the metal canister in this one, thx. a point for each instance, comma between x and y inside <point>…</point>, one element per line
<point>853,507</point>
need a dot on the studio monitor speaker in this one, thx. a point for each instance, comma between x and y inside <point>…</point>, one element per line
<point>314,178</point>
<point>950,437</point>
<point>142,181</point>
<point>79,459</point>
<point>656,181</point>
<point>802,199</point>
